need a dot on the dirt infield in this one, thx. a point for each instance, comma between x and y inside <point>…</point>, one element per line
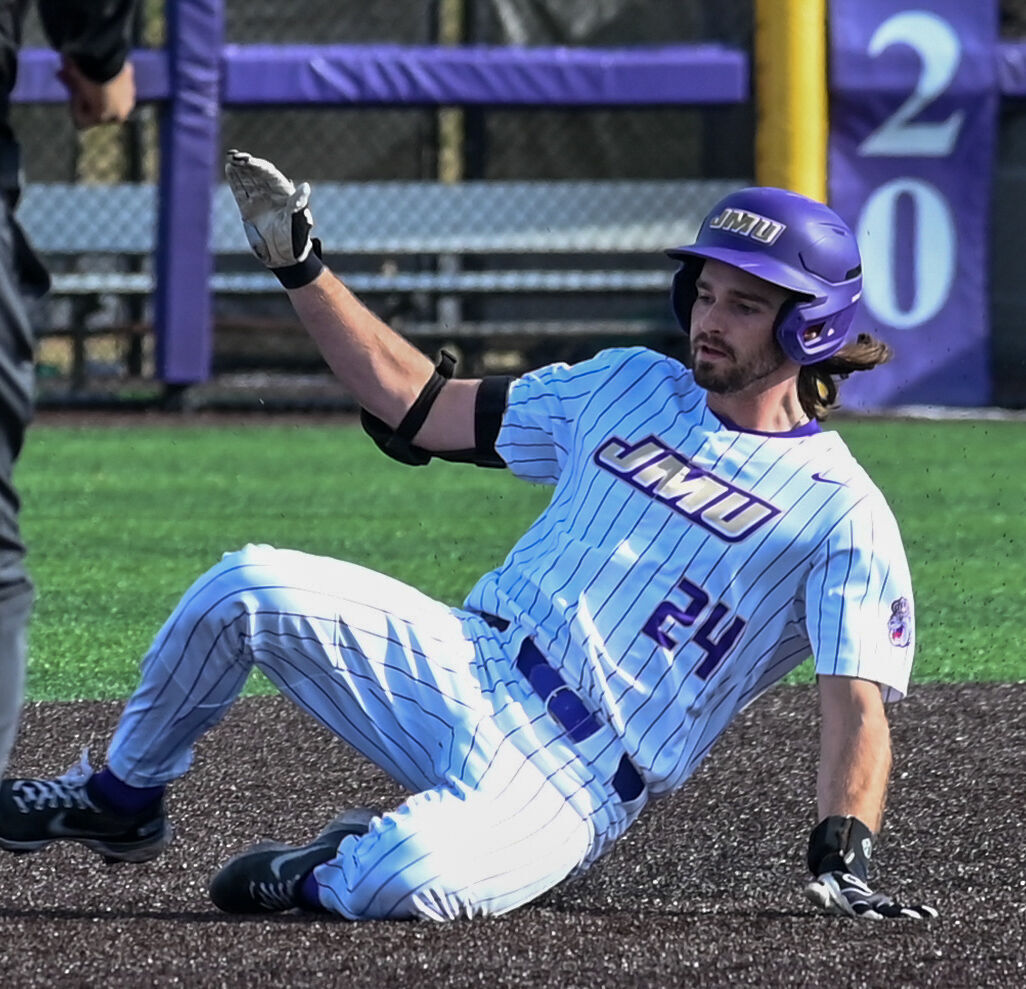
<point>704,891</point>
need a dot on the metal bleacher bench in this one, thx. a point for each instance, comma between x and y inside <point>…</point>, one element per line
<point>535,222</point>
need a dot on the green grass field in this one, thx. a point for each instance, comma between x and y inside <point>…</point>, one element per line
<point>120,520</point>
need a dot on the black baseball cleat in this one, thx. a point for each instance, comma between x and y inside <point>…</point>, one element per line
<point>35,813</point>
<point>266,878</point>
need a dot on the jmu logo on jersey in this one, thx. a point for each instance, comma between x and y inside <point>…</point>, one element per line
<point>746,224</point>
<point>669,478</point>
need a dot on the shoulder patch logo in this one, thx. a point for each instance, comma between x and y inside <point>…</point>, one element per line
<point>899,625</point>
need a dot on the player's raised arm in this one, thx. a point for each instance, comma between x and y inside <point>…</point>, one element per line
<point>404,398</point>
<point>855,764</point>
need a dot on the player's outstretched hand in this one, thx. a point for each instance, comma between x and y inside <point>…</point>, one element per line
<point>846,895</point>
<point>275,213</point>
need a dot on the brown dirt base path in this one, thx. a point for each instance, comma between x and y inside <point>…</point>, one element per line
<point>705,890</point>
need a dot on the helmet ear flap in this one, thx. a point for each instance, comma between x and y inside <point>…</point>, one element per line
<point>684,291</point>
<point>789,325</point>
<point>809,331</point>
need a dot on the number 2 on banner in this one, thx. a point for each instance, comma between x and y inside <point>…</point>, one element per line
<point>901,136</point>
<point>935,42</point>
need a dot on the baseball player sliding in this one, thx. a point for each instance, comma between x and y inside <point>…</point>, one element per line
<point>703,537</point>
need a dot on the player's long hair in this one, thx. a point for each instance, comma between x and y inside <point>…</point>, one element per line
<point>818,383</point>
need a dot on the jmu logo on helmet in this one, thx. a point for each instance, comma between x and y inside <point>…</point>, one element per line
<point>746,224</point>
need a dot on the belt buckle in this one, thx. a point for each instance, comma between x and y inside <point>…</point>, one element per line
<point>569,710</point>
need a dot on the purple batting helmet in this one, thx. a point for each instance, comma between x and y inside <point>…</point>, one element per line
<point>791,241</point>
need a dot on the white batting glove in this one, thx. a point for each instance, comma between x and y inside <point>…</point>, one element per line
<point>840,848</point>
<point>845,895</point>
<point>276,217</point>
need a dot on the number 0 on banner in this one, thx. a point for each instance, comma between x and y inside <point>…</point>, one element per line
<point>933,253</point>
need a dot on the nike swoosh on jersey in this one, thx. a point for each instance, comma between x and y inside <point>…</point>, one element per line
<point>826,480</point>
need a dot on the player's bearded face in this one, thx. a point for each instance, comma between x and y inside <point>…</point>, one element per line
<point>733,345</point>
<point>733,373</point>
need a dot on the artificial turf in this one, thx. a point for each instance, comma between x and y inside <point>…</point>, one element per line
<point>121,519</point>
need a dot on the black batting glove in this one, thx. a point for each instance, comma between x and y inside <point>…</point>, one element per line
<point>839,853</point>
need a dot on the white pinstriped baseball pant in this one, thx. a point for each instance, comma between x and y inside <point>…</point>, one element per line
<point>503,807</point>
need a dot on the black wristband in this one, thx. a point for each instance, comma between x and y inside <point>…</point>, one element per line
<point>298,275</point>
<point>842,844</point>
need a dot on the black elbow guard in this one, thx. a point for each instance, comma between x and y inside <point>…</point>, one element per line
<point>489,407</point>
<point>389,442</point>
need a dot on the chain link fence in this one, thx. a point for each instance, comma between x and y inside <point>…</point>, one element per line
<point>345,144</point>
<point>84,336</point>
<point>73,330</point>
<point>494,144</point>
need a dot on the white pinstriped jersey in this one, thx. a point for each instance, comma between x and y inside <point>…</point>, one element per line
<point>682,565</point>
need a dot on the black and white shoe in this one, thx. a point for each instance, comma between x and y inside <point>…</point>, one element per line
<point>266,878</point>
<point>35,813</point>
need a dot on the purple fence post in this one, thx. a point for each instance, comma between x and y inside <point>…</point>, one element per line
<point>188,153</point>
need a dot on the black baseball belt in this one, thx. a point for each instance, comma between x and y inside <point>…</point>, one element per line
<point>567,708</point>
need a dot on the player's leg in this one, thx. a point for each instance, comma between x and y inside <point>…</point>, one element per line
<point>460,851</point>
<point>464,849</point>
<point>520,808</point>
<point>379,663</point>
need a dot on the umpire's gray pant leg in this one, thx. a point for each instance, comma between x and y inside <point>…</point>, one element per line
<point>22,276</point>
<point>14,620</point>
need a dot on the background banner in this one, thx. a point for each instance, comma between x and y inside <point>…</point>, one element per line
<point>913,115</point>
